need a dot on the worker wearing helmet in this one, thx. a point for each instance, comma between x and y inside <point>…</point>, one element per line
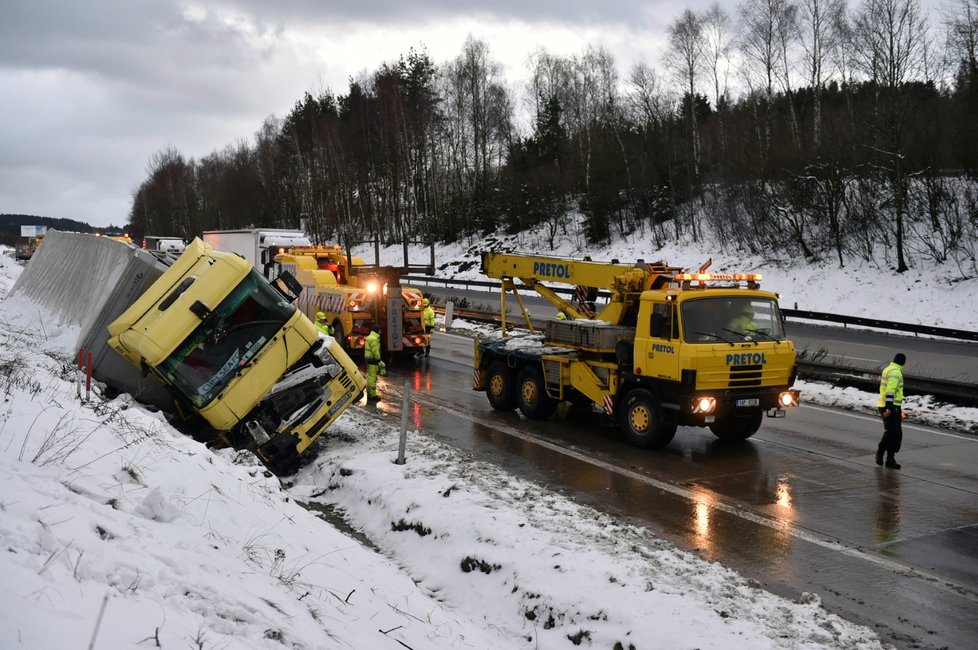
<point>743,322</point>
<point>561,315</point>
<point>371,356</point>
<point>429,324</point>
<point>322,325</point>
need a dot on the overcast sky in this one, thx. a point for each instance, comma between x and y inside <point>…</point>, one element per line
<point>90,91</point>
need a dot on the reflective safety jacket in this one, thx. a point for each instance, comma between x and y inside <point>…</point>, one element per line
<point>429,316</point>
<point>371,348</point>
<point>891,386</point>
<point>743,324</point>
<point>323,327</point>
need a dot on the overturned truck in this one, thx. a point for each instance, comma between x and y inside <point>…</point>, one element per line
<point>202,336</point>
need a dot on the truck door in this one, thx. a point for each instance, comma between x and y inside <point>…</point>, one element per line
<point>657,341</point>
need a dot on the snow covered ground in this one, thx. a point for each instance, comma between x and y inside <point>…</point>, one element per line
<point>120,532</point>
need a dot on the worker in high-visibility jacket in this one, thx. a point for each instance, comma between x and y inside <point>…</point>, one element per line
<point>429,324</point>
<point>890,406</point>
<point>322,325</point>
<point>371,356</point>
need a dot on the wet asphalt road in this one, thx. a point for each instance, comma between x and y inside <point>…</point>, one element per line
<point>800,507</point>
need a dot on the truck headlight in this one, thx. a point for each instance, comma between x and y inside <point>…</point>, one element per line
<point>704,404</point>
<point>788,398</point>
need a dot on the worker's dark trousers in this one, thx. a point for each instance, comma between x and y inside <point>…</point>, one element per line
<point>892,431</point>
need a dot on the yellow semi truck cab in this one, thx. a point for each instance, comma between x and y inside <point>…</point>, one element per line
<point>235,351</point>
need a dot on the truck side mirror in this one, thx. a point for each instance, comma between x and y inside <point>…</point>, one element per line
<point>288,286</point>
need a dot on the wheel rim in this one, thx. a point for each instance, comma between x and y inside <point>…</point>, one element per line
<point>497,385</point>
<point>529,391</point>
<point>639,418</point>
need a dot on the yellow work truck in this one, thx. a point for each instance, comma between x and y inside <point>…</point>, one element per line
<point>668,348</point>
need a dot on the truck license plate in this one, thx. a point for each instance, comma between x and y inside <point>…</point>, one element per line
<point>748,402</point>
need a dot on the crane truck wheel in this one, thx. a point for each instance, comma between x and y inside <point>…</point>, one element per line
<point>642,422</point>
<point>531,395</point>
<point>499,387</point>
<point>737,428</point>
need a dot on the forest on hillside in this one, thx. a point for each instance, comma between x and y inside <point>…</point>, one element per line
<point>808,126</point>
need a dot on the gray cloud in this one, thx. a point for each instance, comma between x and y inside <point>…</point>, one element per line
<point>90,91</point>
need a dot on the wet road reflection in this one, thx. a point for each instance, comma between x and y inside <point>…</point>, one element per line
<point>801,507</point>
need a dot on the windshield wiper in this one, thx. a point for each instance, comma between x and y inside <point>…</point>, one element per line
<point>763,332</point>
<point>715,336</point>
<point>745,335</point>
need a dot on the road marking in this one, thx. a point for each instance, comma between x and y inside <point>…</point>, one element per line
<point>735,510</point>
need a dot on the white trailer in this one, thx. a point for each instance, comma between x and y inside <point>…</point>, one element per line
<point>164,244</point>
<point>257,245</point>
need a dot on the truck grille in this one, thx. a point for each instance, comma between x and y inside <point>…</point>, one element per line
<point>742,376</point>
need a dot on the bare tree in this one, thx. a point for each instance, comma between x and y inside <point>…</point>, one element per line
<point>961,23</point>
<point>891,41</point>
<point>717,44</point>
<point>686,53</point>
<point>480,111</point>
<point>759,44</point>
<point>820,22</point>
<point>647,99</point>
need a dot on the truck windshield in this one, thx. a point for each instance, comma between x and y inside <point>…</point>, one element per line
<point>223,344</point>
<point>731,319</point>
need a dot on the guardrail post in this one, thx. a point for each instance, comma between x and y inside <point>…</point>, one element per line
<point>449,309</point>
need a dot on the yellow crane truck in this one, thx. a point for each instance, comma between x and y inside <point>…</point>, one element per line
<point>240,360</point>
<point>669,348</point>
<point>354,295</point>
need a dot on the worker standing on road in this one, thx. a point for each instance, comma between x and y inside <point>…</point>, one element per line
<point>890,405</point>
<point>429,324</point>
<point>322,325</point>
<point>371,355</point>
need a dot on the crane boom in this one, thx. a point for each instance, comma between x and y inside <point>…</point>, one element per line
<point>624,281</point>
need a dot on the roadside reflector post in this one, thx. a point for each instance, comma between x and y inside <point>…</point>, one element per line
<point>404,422</point>
<point>78,373</point>
<point>88,379</point>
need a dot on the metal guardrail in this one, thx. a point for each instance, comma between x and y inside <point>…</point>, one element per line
<point>944,390</point>
<point>944,332</point>
<point>950,333</point>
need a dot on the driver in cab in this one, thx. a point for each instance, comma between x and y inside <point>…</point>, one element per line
<point>743,322</point>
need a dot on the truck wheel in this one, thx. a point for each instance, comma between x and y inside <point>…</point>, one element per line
<point>499,387</point>
<point>642,421</point>
<point>531,395</point>
<point>340,336</point>
<point>737,428</point>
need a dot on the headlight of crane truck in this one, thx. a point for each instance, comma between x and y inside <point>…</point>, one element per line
<point>669,348</point>
<point>236,353</point>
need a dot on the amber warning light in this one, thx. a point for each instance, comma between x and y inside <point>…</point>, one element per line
<point>706,277</point>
